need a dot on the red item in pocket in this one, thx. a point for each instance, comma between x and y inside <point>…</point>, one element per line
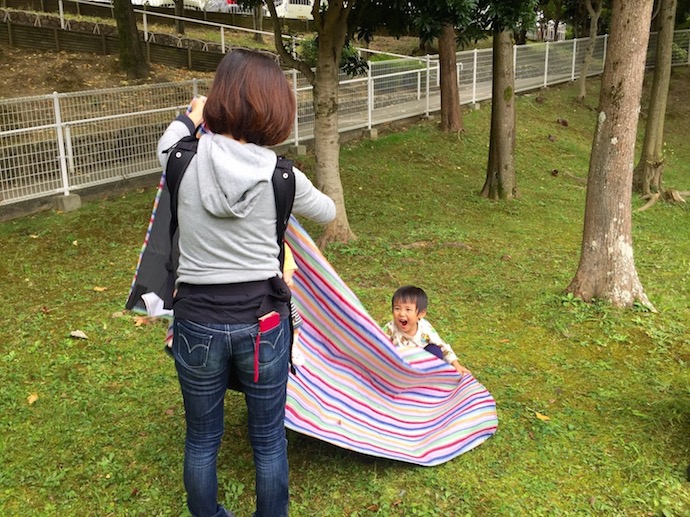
<point>267,322</point>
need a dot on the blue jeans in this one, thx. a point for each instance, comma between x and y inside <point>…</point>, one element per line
<point>204,354</point>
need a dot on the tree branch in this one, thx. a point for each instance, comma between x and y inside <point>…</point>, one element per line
<point>674,196</point>
<point>576,178</point>
<point>652,200</point>
<point>287,58</point>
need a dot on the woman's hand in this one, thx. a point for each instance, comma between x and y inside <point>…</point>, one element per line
<point>197,112</point>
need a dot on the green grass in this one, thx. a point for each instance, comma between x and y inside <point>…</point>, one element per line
<point>105,436</point>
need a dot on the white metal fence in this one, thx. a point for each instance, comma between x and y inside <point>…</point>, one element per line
<point>61,143</point>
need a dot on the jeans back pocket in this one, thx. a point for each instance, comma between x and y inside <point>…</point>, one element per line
<point>192,345</point>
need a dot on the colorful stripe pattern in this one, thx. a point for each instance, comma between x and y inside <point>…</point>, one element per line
<point>357,391</point>
<point>156,201</point>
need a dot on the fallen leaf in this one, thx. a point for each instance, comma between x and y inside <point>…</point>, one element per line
<point>541,417</point>
<point>75,243</point>
<point>33,236</point>
<point>119,314</point>
<point>373,507</point>
<point>143,320</point>
<point>170,412</point>
<point>78,334</point>
<point>100,289</point>
<point>32,398</point>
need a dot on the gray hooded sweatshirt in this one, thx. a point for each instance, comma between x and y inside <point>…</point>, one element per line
<point>226,209</point>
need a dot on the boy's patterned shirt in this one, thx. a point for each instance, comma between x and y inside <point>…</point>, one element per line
<point>426,335</point>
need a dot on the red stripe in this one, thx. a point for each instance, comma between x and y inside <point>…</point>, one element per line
<point>256,357</point>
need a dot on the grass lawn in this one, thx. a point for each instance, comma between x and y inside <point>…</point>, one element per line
<point>96,427</point>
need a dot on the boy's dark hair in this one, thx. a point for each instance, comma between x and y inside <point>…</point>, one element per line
<point>411,294</point>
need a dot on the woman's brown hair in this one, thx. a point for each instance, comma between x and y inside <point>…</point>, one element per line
<point>250,99</point>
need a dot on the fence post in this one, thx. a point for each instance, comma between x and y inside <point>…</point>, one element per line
<point>688,47</point>
<point>62,14</point>
<point>419,83</point>
<point>572,74</point>
<point>606,40</point>
<point>474,76</point>
<point>546,65</point>
<point>61,144</point>
<point>370,95</point>
<point>146,25</point>
<point>428,78</point>
<point>438,72</point>
<point>514,62</point>
<point>195,88</point>
<point>70,151</point>
<point>222,39</point>
<point>294,91</point>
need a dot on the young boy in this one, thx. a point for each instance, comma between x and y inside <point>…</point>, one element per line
<point>409,328</point>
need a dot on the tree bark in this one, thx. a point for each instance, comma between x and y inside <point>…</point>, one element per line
<point>607,268</point>
<point>179,13</point>
<point>132,59</point>
<point>451,115</point>
<point>594,14</point>
<point>332,32</point>
<point>258,19</point>
<point>648,173</point>
<point>331,27</point>
<point>500,172</point>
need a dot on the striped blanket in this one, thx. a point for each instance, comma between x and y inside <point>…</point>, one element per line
<point>357,391</point>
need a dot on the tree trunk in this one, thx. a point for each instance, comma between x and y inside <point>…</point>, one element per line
<point>331,27</point>
<point>258,19</point>
<point>607,268</point>
<point>131,54</point>
<point>326,134</point>
<point>520,36</point>
<point>650,168</point>
<point>594,14</point>
<point>500,172</point>
<point>179,13</point>
<point>451,115</point>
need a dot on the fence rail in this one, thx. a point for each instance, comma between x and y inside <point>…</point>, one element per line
<point>60,143</point>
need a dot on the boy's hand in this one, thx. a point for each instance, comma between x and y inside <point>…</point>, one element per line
<point>287,277</point>
<point>461,369</point>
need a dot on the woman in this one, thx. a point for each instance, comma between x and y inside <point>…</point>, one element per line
<point>229,275</point>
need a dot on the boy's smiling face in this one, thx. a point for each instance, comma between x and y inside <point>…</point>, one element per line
<point>406,317</point>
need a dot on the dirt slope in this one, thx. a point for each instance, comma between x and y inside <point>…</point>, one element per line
<point>28,72</point>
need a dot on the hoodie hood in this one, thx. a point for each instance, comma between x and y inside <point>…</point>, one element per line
<point>232,176</point>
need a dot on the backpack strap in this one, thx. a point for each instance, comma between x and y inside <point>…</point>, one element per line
<point>284,190</point>
<point>181,153</point>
